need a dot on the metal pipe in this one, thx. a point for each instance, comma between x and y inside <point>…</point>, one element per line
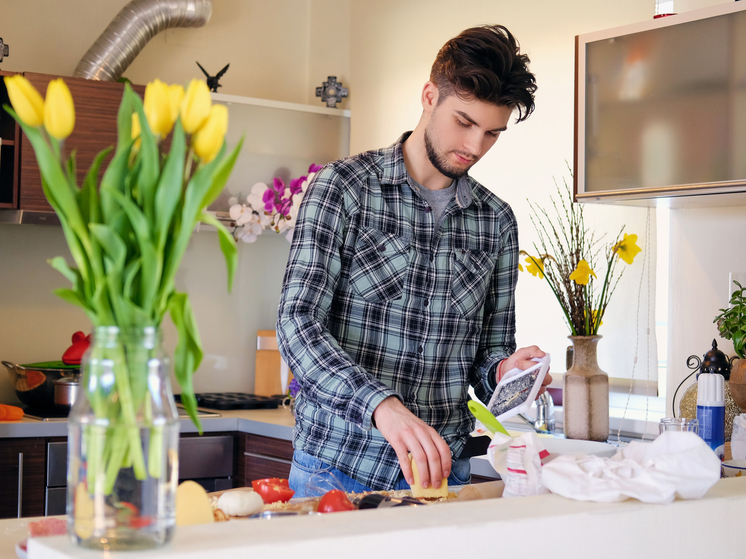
<point>20,484</point>
<point>132,28</point>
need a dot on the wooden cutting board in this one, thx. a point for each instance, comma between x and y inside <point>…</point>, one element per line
<point>267,369</point>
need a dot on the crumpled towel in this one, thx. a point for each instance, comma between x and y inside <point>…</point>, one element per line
<point>518,461</point>
<point>676,464</point>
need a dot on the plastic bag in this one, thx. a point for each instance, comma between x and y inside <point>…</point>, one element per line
<point>738,439</point>
<point>518,460</point>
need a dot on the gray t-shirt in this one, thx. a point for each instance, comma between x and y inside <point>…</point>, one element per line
<point>436,199</point>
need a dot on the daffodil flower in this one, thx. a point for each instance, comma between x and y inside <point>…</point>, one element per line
<point>594,317</point>
<point>26,100</point>
<point>136,130</point>
<point>59,110</point>
<point>210,137</point>
<point>627,248</point>
<point>157,107</point>
<point>535,266</point>
<point>520,267</point>
<point>195,107</point>
<point>582,273</point>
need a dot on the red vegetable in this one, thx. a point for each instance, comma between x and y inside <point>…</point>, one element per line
<point>335,501</point>
<point>273,489</point>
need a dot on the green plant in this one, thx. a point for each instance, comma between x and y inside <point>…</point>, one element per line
<point>732,321</point>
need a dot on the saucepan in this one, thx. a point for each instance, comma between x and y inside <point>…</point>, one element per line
<point>45,385</point>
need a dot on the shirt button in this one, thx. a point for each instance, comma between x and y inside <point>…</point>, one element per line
<point>382,248</point>
<point>428,209</point>
<point>420,350</point>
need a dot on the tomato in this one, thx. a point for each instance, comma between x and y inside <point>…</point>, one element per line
<point>335,501</point>
<point>140,521</point>
<point>273,489</point>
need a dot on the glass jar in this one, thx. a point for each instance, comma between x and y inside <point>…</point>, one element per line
<point>123,436</point>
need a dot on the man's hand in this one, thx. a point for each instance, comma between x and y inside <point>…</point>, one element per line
<point>523,359</point>
<point>408,433</point>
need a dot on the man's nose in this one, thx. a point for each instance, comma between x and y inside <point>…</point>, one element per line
<point>474,143</point>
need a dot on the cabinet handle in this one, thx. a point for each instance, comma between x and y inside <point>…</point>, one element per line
<point>270,458</point>
<point>20,483</point>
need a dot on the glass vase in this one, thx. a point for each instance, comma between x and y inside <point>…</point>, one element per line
<point>585,393</point>
<point>123,436</point>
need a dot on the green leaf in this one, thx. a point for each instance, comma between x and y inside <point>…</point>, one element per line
<point>88,195</point>
<point>188,353</point>
<point>169,188</point>
<point>227,245</point>
<point>72,297</point>
<point>73,275</point>
<point>149,163</point>
<point>114,247</point>
<point>220,176</point>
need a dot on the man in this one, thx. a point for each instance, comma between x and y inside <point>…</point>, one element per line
<point>399,289</point>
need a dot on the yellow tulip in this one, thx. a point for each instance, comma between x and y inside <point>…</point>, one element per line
<point>157,107</point>
<point>627,248</point>
<point>195,107</point>
<point>136,129</point>
<point>209,139</point>
<point>59,110</point>
<point>583,273</point>
<point>26,100</point>
<point>176,95</point>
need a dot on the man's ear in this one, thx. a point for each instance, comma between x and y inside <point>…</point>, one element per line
<point>429,97</point>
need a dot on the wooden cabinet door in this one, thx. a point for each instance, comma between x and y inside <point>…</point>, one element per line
<point>22,460</point>
<point>261,457</point>
<point>10,135</point>
<point>96,106</point>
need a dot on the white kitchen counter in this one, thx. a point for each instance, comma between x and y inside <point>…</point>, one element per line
<point>545,525</point>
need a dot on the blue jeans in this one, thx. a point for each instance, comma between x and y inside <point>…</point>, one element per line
<point>310,477</point>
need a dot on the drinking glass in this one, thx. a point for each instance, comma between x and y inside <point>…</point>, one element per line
<point>679,424</point>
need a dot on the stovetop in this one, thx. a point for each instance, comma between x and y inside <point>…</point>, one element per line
<point>40,414</point>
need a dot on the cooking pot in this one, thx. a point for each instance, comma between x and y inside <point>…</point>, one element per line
<point>35,383</point>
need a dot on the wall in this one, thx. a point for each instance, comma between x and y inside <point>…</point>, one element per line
<point>393,46</point>
<point>278,50</point>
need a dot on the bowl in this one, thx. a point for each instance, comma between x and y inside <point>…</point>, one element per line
<point>556,447</point>
<point>734,468</point>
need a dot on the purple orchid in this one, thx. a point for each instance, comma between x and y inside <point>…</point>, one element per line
<point>269,200</point>
<point>296,185</point>
<point>294,388</point>
<point>314,168</point>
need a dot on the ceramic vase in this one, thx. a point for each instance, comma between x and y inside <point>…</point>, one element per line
<point>585,393</point>
<point>738,383</point>
<point>123,437</point>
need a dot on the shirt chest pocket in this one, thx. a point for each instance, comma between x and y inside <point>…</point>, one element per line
<point>379,266</point>
<point>470,280</point>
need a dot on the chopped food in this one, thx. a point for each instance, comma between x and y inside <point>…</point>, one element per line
<point>192,505</point>
<point>240,502</point>
<point>431,492</point>
<point>30,380</point>
<point>47,527</point>
<point>273,489</point>
<point>83,512</point>
<point>10,413</point>
<point>335,501</point>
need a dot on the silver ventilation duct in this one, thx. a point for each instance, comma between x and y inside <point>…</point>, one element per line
<point>132,28</point>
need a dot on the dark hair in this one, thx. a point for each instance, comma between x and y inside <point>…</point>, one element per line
<point>484,63</point>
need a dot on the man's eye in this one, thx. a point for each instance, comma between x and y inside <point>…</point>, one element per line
<point>464,124</point>
<point>494,134</point>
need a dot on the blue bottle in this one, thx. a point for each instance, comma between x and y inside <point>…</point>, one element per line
<point>711,411</point>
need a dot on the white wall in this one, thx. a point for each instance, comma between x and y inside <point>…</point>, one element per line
<point>278,50</point>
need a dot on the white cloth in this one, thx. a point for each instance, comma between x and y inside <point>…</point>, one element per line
<point>676,464</point>
<point>518,461</point>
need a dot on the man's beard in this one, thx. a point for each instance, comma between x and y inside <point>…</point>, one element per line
<point>440,162</point>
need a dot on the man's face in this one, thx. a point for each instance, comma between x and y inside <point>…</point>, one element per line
<point>460,132</point>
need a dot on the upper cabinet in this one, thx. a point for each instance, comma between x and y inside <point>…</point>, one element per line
<point>280,140</point>
<point>661,111</point>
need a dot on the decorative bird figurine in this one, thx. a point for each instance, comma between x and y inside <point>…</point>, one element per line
<point>212,81</point>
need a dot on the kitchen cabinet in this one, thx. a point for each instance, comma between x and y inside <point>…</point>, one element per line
<point>96,106</point>
<point>22,464</point>
<point>10,134</point>
<point>261,457</point>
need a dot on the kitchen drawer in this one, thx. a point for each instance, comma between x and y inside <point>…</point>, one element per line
<point>261,457</point>
<point>205,457</point>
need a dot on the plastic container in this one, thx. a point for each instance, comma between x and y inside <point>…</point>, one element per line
<point>711,411</point>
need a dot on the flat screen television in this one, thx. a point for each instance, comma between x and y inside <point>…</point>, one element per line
<point>660,110</point>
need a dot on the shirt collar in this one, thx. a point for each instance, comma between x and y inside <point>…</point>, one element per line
<point>395,172</point>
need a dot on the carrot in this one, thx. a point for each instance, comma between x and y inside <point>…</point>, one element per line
<point>12,413</point>
<point>3,412</point>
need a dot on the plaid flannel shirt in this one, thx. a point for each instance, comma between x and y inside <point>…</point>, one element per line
<point>378,302</point>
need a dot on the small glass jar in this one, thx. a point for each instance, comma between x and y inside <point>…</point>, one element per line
<point>123,437</point>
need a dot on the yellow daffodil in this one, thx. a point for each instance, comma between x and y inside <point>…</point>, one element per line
<point>520,267</point>
<point>157,107</point>
<point>136,129</point>
<point>59,110</point>
<point>594,317</point>
<point>535,266</point>
<point>195,106</point>
<point>176,95</point>
<point>209,138</point>
<point>26,100</point>
<point>582,273</point>
<point>627,248</point>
